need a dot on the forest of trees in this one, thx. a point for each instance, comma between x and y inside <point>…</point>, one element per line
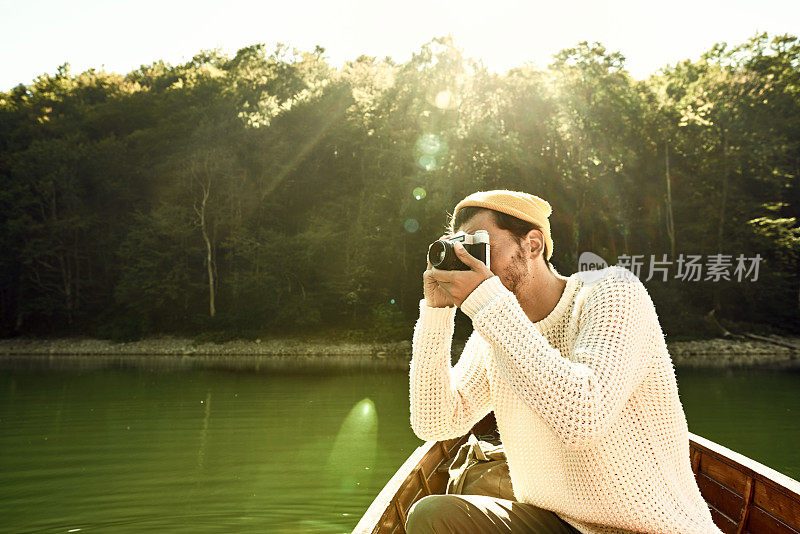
<point>273,194</point>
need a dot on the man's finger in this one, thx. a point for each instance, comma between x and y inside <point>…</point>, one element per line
<point>442,276</point>
<point>469,260</point>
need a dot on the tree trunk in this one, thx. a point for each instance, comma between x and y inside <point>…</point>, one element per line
<point>670,219</point>
<point>66,285</point>
<point>576,227</point>
<point>63,262</point>
<point>201,212</point>
<point>722,214</point>
<point>724,200</point>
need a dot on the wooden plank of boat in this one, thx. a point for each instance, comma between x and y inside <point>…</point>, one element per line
<point>744,496</point>
<point>423,473</point>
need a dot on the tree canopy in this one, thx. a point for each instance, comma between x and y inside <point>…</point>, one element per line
<point>270,192</point>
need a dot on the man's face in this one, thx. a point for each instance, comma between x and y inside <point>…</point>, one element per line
<point>507,259</point>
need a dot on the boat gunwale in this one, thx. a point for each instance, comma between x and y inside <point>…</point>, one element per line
<point>748,466</point>
<point>752,469</point>
<point>381,505</point>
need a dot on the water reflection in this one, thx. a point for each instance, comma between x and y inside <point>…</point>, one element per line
<point>137,450</point>
<point>128,450</point>
<point>201,452</point>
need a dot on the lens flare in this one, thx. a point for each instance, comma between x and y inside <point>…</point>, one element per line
<point>427,162</point>
<point>443,99</point>
<point>352,456</point>
<point>411,225</point>
<point>419,193</point>
<point>430,143</point>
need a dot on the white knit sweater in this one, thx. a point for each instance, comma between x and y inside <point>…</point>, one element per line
<point>586,402</point>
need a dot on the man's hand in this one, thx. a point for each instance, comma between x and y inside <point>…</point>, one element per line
<point>451,288</point>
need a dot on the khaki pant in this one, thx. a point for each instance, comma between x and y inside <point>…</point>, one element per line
<point>442,514</point>
<point>480,498</point>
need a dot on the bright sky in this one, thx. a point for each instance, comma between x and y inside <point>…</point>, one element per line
<point>120,35</point>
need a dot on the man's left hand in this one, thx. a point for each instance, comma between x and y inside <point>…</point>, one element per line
<point>461,283</point>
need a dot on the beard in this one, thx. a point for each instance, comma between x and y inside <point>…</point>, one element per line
<point>517,274</point>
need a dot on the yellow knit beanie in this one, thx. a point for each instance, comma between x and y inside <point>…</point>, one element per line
<point>515,203</point>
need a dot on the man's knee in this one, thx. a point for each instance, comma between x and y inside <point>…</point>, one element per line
<point>434,513</point>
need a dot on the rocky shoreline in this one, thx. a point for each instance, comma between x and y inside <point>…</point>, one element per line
<point>726,352</point>
<point>287,353</point>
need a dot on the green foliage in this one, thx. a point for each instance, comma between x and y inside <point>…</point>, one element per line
<point>156,263</point>
<point>121,329</point>
<point>271,194</point>
<point>389,323</point>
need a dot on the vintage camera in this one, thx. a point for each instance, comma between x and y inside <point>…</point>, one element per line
<point>442,255</point>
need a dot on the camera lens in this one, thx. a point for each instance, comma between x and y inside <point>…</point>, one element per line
<point>438,254</point>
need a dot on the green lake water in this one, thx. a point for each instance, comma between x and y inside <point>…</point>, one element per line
<point>132,450</point>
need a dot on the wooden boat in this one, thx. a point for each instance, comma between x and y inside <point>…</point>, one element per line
<point>744,495</point>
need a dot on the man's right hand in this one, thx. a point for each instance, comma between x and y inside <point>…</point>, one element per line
<point>435,295</point>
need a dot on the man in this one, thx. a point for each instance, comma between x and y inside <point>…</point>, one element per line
<point>578,375</point>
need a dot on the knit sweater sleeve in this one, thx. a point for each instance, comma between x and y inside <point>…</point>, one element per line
<point>445,401</point>
<point>579,394</point>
